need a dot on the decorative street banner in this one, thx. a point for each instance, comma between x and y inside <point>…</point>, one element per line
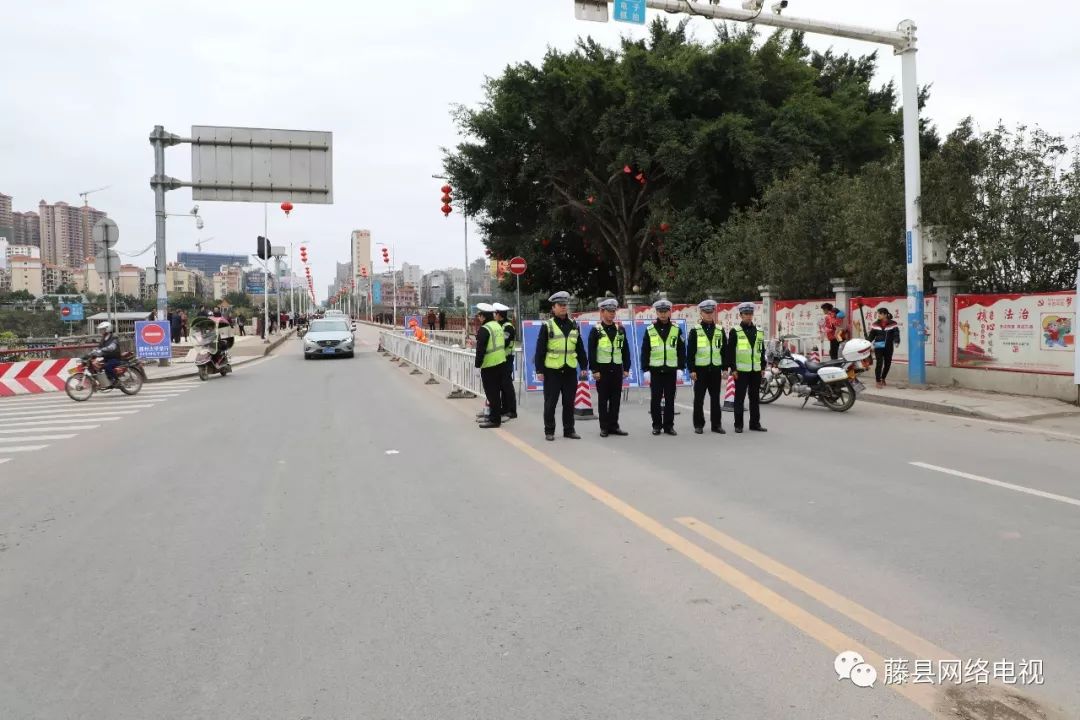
<point>1018,333</point>
<point>802,318</point>
<point>376,293</point>
<point>897,305</point>
<point>530,333</point>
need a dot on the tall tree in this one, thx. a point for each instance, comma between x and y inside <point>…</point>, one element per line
<point>578,163</point>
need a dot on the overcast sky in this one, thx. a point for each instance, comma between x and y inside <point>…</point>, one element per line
<point>85,82</point>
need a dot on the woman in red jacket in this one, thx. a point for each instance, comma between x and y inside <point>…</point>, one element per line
<point>885,335</point>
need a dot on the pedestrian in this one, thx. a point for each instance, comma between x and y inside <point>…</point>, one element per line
<point>260,323</point>
<point>831,325</point>
<point>491,359</point>
<point>240,320</point>
<point>746,360</point>
<point>430,320</point>
<point>174,326</point>
<point>183,325</point>
<point>559,361</point>
<point>663,355</point>
<point>203,312</point>
<point>442,319</point>
<point>509,397</point>
<point>885,335</point>
<point>609,362</point>
<point>705,354</point>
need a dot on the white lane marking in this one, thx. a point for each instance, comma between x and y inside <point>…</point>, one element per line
<point>128,410</point>
<point>92,418</point>
<point>4,460</point>
<point>36,438</point>
<point>24,448</point>
<point>998,483</point>
<point>70,428</point>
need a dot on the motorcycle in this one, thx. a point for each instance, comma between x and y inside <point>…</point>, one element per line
<point>213,339</point>
<point>834,382</point>
<point>89,377</point>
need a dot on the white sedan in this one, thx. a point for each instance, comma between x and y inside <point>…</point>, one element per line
<point>328,338</point>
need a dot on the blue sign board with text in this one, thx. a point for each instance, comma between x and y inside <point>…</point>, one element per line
<point>71,312</point>
<point>152,339</point>
<point>630,11</point>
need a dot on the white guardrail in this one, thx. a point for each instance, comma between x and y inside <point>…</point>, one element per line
<point>451,365</point>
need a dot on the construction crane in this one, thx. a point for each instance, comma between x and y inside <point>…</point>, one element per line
<point>200,243</point>
<point>83,194</point>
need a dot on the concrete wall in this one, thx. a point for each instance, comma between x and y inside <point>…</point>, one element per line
<point>1058,387</point>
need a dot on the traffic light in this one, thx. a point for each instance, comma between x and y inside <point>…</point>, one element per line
<point>263,251</point>
<point>447,198</point>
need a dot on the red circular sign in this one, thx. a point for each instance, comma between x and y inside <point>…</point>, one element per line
<point>65,311</point>
<point>518,265</point>
<point>152,335</point>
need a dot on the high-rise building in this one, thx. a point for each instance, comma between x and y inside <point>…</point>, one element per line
<point>210,263</point>
<point>7,220</point>
<point>130,280</point>
<point>27,228</point>
<point>66,233</point>
<point>411,274</point>
<point>361,253</point>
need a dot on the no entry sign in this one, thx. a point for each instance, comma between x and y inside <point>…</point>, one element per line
<point>152,340</point>
<point>518,265</point>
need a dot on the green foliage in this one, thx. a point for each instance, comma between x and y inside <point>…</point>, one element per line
<point>707,126</point>
<point>27,323</point>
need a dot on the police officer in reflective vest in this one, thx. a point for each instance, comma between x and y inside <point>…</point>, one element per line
<point>560,353</point>
<point>609,361</point>
<point>663,355</point>
<point>509,397</point>
<point>705,359</point>
<point>491,359</point>
<point>746,360</point>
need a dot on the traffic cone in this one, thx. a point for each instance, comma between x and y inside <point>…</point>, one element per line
<point>583,401</point>
<point>729,394</point>
<point>815,355</point>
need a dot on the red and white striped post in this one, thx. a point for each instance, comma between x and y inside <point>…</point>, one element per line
<point>583,401</point>
<point>729,393</point>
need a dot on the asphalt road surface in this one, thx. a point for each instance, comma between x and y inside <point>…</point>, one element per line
<point>334,539</point>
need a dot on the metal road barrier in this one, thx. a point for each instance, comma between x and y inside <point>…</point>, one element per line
<point>450,365</point>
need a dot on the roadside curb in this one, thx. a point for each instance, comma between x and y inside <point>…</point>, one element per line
<point>195,373</point>
<point>956,410</point>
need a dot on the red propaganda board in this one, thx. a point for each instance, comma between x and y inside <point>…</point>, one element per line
<point>1016,333</point>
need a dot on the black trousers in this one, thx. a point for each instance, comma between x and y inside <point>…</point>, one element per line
<point>662,386</point>
<point>559,384</point>
<point>509,397</point>
<point>748,383</point>
<point>834,349</point>
<point>609,396</point>
<point>884,362</point>
<point>492,378</point>
<point>711,382</point>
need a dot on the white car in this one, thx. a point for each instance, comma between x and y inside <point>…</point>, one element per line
<point>328,337</point>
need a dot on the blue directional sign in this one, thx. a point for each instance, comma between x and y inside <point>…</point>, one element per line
<point>71,312</point>
<point>630,11</point>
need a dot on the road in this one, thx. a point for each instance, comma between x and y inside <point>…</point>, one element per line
<point>334,539</point>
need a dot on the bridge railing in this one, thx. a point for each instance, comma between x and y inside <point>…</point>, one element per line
<point>451,365</point>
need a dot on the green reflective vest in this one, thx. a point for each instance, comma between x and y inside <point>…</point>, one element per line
<point>561,349</point>
<point>608,351</point>
<point>748,358</point>
<point>510,344</point>
<point>708,354</point>
<point>495,354</point>
<point>663,353</point>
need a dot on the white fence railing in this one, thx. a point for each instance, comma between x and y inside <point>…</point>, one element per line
<point>451,365</point>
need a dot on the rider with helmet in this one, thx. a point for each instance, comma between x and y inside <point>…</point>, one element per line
<point>109,350</point>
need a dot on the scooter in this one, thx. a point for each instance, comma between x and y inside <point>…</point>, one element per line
<point>834,382</point>
<point>213,339</point>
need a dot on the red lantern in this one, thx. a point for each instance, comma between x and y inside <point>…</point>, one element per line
<point>626,169</point>
<point>446,200</point>
<point>446,210</point>
<point>545,242</point>
<point>664,227</point>
<point>591,199</point>
<point>640,177</point>
<point>287,207</point>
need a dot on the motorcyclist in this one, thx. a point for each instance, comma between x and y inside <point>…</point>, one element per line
<point>109,350</point>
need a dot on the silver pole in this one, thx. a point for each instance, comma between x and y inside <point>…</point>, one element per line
<point>266,280</point>
<point>394,250</point>
<point>912,193</point>
<point>292,290</point>
<point>465,327</point>
<point>519,357</point>
<point>158,141</point>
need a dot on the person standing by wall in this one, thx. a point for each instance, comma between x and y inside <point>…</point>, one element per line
<point>885,336</point>
<point>746,360</point>
<point>559,355</point>
<point>609,361</point>
<point>831,325</point>
<point>663,354</point>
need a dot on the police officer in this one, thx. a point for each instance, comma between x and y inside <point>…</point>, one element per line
<point>609,361</point>
<point>746,360</point>
<point>509,397</point>
<point>491,359</point>
<point>559,355</point>
<point>705,359</point>
<point>663,354</point>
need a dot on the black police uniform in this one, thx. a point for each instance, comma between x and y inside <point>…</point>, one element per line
<point>509,397</point>
<point>491,377</point>
<point>663,380</point>
<point>747,383</point>
<point>710,379</point>
<point>609,386</point>
<point>562,383</point>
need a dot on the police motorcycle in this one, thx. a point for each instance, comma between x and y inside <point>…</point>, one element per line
<point>89,376</point>
<point>213,338</point>
<point>834,383</point>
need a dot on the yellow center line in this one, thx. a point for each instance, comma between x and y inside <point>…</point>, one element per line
<point>920,648</point>
<point>925,696</point>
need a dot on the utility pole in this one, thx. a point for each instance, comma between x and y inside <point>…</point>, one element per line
<point>903,42</point>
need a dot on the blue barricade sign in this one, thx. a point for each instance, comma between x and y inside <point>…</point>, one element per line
<point>152,339</point>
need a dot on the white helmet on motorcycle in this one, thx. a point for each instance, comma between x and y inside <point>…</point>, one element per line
<point>104,326</point>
